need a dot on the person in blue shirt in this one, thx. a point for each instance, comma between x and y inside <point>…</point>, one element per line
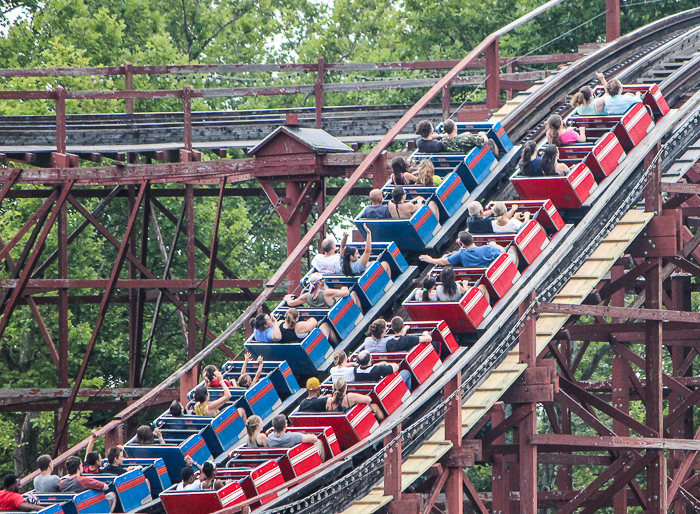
<point>614,101</point>
<point>471,256</point>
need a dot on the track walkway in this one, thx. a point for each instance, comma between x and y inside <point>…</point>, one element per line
<point>487,394</point>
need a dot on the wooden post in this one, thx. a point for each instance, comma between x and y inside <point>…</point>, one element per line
<point>129,86</point>
<point>446,98</point>
<point>453,432</point>
<point>528,426</point>
<point>612,20</point>
<point>392,464</point>
<point>60,120</point>
<point>318,91</point>
<point>493,79</point>
<point>187,118</point>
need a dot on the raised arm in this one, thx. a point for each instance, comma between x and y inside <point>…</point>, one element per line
<point>343,243</point>
<point>91,443</point>
<point>581,138</point>
<point>364,259</point>
<point>601,78</point>
<point>216,404</point>
<point>511,211</point>
<point>257,373</point>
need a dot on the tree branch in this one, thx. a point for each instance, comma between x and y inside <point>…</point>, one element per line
<point>186,26</point>
<point>211,38</point>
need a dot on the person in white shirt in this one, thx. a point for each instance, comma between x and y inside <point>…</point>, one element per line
<point>189,483</point>
<point>328,262</point>
<point>508,221</point>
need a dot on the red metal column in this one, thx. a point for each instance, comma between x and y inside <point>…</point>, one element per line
<point>392,464</point>
<point>612,20</point>
<point>493,77</point>
<point>60,120</point>
<point>528,426</point>
<point>453,432</point>
<point>380,171</point>
<point>318,91</point>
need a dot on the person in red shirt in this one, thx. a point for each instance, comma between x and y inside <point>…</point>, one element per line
<point>93,459</point>
<point>10,499</point>
<point>75,483</point>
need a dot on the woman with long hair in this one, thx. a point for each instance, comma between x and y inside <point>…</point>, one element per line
<point>505,221</point>
<point>426,293</point>
<point>559,136</point>
<point>401,172</point>
<point>342,401</point>
<point>341,366</point>
<point>426,174</point>
<point>550,162</point>
<point>449,290</point>
<point>255,436</point>
<point>583,102</point>
<point>530,164</point>
<point>204,406</point>
<point>294,331</point>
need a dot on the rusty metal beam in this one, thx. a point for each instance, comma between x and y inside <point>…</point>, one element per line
<point>618,312</point>
<point>212,261</point>
<point>28,224</point>
<point>24,277</point>
<point>119,260</point>
<point>18,396</point>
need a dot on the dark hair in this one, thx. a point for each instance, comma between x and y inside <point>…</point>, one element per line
<point>400,166</point>
<point>209,372</point>
<point>43,462</point>
<point>144,435</point>
<point>364,358</point>
<point>396,195</point>
<point>583,96</point>
<point>259,322</point>
<point>176,409</point>
<point>448,126</point>
<point>114,453</point>
<point>92,458</point>
<point>377,328</point>
<point>208,469</point>
<point>553,125</point>
<point>186,473</point>
<point>279,423</point>
<point>428,284</point>
<point>447,278</point>
<point>200,394</point>
<point>10,480</point>
<point>73,465</point>
<point>614,87</point>
<point>424,128</point>
<point>549,160</point>
<point>396,324</point>
<point>345,260</point>
<point>528,150</point>
<point>466,238</point>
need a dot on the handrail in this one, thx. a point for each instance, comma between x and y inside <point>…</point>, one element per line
<point>303,245</point>
<point>187,69</point>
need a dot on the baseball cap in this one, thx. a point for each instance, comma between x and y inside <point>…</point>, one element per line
<point>312,384</point>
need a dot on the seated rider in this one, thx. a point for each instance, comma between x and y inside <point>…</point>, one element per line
<point>560,136</point>
<point>479,221</point>
<point>368,371</point>
<point>471,256</point>
<point>314,402</point>
<point>464,143</point>
<point>508,220</point>
<point>379,342</point>
<point>428,140</point>
<point>375,211</point>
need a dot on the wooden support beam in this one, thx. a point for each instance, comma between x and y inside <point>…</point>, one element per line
<point>618,312</point>
<point>581,443</point>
